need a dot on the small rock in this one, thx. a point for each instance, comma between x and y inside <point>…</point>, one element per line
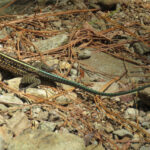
<point>63,65</point>
<point>35,111</point>
<point>75,65</point>
<point>73,72</point>
<point>63,100</point>
<point>2,107</point>
<point>136,137</point>
<point>84,54</point>
<point>146,125</point>
<point>14,83</point>
<point>145,148</point>
<point>39,114</point>
<point>53,116</point>
<point>44,140</point>
<point>45,125</point>
<point>67,87</point>
<point>18,122</point>
<point>40,92</point>
<point>122,133</point>
<point>109,128</point>
<point>141,48</point>
<point>131,113</point>
<point>68,98</point>
<point>51,61</point>
<point>141,119</point>
<point>10,99</point>
<point>43,115</point>
<point>95,147</point>
<point>135,146</point>
<point>52,42</point>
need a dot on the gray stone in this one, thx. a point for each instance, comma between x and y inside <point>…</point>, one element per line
<point>75,65</point>
<point>84,54</point>
<point>44,140</point>
<point>67,98</point>
<point>136,137</point>
<point>109,128</point>
<point>10,99</point>
<point>52,42</point>
<point>43,115</point>
<point>39,114</point>
<point>131,113</point>
<point>3,107</point>
<point>123,133</point>
<point>45,125</point>
<point>64,65</point>
<point>110,66</point>
<point>63,100</point>
<point>73,72</point>
<point>18,122</point>
<point>135,146</point>
<point>40,92</point>
<point>141,48</point>
<point>95,147</point>
<point>146,125</point>
<point>145,148</point>
<point>14,83</point>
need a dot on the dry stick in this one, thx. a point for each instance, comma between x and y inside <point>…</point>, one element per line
<point>120,118</point>
<point>41,16</point>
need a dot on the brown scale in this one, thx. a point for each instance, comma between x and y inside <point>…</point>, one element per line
<point>29,75</point>
<point>14,67</point>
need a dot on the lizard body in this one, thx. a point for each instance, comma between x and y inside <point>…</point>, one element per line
<point>21,68</point>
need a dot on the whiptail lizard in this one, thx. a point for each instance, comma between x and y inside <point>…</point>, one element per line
<point>21,68</point>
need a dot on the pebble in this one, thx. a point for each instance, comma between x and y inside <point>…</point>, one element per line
<point>40,92</point>
<point>75,65</point>
<point>122,133</point>
<point>18,122</point>
<point>50,43</point>
<point>73,72</point>
<point>131,113</point>
<point>44,140</point>
<point>14,83</point>
<point>63,65</point>
<point>46,125</point>
<point>63,100</point>
<point>39,114</point>
<point>84,54</point>
<point>146,125</point>
<point>95,147</point>
<point>145,148</point>
<point>10,99</point>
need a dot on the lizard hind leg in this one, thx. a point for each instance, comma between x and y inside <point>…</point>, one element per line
<point>29,81</point>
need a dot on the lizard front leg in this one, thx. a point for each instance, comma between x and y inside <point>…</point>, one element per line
<point>29,81</point>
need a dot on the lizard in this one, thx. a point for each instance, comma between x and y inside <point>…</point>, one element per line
<point>21,68</point>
